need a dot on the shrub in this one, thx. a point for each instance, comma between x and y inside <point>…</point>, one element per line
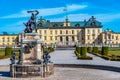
<point>50,49</point>
<point>77,54</point>
<point>89,49</point>
<point>8,51</point>
<point>78,49</point>
<point>95,50</point>
<point>104,50</point>
<point>83,51</point>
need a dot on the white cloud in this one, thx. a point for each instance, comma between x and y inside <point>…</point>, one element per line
<point>81,17</point>
<point>47,11</point>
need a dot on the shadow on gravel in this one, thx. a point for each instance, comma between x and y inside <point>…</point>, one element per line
<point>109,68</point>
<point>4,74</point>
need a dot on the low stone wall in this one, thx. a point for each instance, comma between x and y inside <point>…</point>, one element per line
<point>42,70</point>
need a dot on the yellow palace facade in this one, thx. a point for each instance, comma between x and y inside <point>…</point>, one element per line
<point>87,32</point>
<point>70,33</point>
<point>8,40</point>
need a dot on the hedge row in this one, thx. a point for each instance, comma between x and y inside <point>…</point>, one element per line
<point>49,48</point>
<point>8,51</point>
<point>105,50</point>
<point>81,53</point>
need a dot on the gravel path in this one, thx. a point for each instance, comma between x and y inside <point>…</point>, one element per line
<point>63,73</point>
<point>68,57</point>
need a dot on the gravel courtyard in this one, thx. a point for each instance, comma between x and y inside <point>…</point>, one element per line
<point>63,73</point>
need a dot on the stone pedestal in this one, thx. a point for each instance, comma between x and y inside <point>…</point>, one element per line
<point>31,59</point>
<point>44,70</point>
<point>31,48</point>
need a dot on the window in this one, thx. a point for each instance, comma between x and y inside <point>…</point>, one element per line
<point>8,44</point>
<point>88,37</point>
<point>61,38</point>
<point>109,36</point>
<point>98,31</point>
<point>55,37</point>
<point>93,37</point>
<point>66,31</point>
<point>67,38</point>
<point>88,31</point>
<point>60,31</point>
<point>93,31</point>
<point>45,38</point>
<point>13,39</point>
<point>77,25</point>
<point>40,37</point>
<point>55,32</point>
<point>3,39</point>
<point>8,40</point>
<point>40,32</point>
<point>98,37</point>
<point>50,37</point>
<point>82,38</point>
<point>45,32</point>
<point>77,31</point>
<point>73,39</point>
<point>72,31</point>
<point>112,36</point>
<point>93,24</point>
<point>82,31</point>
<point>116,37</point>
<point>50,32</point>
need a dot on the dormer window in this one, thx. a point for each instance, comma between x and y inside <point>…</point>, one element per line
<point>40,24</point>
<point>77,25</point>
<point>55,25</point>
<point>61,25</point>
<point>93,24</point>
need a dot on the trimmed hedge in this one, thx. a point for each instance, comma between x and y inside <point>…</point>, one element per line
<point>51,49</point>
<point>83,51</point>
<point>89,49</point>
<point>8,51</point>
<point>95,50</point>
<point>105,50</point>
<point>80,52</point>
<point>78,49</point>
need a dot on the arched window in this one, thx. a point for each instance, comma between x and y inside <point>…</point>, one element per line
<point>77,25</point>
<point>93,24</point>
<point>55,25</point>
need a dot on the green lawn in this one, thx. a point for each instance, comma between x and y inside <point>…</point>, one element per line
<point>114,51</point>
<point>2,53</point>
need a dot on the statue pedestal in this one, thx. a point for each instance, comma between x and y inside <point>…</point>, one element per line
<point>31,59</point>
<point>31,51</point>
<point>44,70</point>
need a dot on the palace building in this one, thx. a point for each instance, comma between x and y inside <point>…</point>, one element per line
<point>8,40</point>
<point>67,33</point>
<point>70,33</point>
<point>111,38</point>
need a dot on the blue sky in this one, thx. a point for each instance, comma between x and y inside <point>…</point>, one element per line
<point>13,12</point>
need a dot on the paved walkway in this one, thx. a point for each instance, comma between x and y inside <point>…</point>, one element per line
<point>68,57</point>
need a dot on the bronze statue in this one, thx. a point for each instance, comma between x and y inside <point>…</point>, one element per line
<point>13,58</point>
<point>46,57</point>
<point>31,24</point>
<point>28,28</point>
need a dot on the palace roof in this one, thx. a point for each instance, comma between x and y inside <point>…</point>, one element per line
<point>91,23</point>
